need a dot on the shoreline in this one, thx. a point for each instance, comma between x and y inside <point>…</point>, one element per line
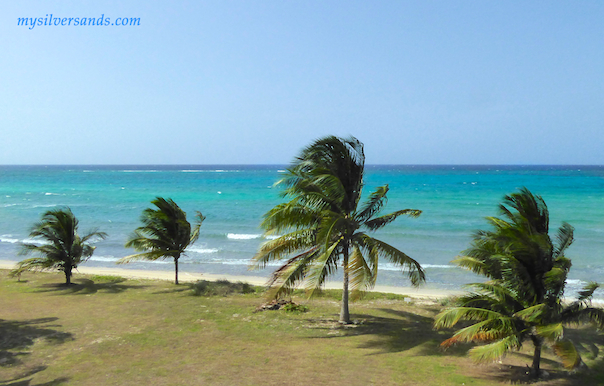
<point>418,293</point>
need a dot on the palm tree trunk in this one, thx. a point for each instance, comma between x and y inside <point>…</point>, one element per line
<point>176,270</point>
<point>344,313</point>
<point>538,343</point>
<point>67,271</point>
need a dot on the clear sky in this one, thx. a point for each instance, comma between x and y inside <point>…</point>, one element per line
<point>251,82</point>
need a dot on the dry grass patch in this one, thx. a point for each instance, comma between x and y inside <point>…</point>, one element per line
<point>111,331</point>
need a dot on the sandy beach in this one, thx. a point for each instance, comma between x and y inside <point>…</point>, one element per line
<point>419,293</point>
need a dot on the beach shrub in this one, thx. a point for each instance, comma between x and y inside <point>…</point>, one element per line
<point>220,288</point>
<point>295,308</point>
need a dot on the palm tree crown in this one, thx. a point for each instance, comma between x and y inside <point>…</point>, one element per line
<point>165,233</point>
<point>523,298</point>
<point>61,247</point>
<point>323,223</point>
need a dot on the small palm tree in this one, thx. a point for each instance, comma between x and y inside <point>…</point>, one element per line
<point>165,233</point>
<point>61,247</point>
<point>325,227</point>
<point>523,298</point>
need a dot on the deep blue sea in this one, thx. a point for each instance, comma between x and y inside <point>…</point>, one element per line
<point>454,200</point>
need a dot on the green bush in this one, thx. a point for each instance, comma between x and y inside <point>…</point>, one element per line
<point>293,307</point>
<point>221,288</point>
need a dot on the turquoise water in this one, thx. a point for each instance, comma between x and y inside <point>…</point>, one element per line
<point>454,201</point>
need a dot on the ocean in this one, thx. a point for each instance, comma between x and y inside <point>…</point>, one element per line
<point>454,200</point>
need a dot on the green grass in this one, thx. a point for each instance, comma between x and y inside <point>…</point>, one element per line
<point>111,331</point>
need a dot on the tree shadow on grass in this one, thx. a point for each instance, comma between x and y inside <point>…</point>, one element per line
<point>520,375</point>
<point>587,341</point>
<point>19,381</point>
<point>16,336</point>
<point>88,286</point>
<point>403,331</point>
<point>27,382</point>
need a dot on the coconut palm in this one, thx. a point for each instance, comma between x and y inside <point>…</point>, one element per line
<point>59,244</point>
<point>165,233</point>
<point>523,298</point>
<point>325,226</point>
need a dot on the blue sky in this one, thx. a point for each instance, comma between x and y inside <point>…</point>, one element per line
<point>252,82</point>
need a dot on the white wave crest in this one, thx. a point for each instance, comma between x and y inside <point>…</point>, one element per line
<point>111,259</point>
<point>35,241</point>
<point>6,239</point>
<point>394,267</point>
<point>203,250</point>
<point>237,236</point>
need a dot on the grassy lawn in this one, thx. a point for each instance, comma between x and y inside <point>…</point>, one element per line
<point>112,331</point>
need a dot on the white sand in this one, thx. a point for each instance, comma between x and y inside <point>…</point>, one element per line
<point>254,280</point>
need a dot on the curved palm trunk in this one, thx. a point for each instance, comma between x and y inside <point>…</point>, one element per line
<point>344,313</point>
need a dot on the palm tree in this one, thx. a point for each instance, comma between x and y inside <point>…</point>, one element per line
<point>165,233</point>
<point>523,298</point>
<point>60,246</point>
<point>326,226</point>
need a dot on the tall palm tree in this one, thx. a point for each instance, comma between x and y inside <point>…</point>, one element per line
<point>165,233</point>
<point>325,226</point>
<point>523,298</point>
<point>60,247</point>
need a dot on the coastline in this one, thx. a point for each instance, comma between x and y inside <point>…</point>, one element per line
<point>417,293</point>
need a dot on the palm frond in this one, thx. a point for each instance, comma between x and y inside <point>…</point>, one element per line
<point>289,216</point>
<point>485,331</point>
<point>472,264</point>
<point>33,264</point>
<point>379,222</point>
<point>362,274</point>
<point>582,314</point>
<point>414,270</point>
<point>373,205</point>
<point>195,231</point>
<point>323,265</point>
<point>566,350</point>
<point>151,255</point>
<point>564,238</point>
<point>94,234</point>
<point>283,246</point>
<point>450,317</point>
<point>553,332</point>
<point>285,279</point>
<point>588,291</point>
<point>494,351</point>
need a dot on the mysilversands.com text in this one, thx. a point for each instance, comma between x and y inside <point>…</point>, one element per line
<point>49,20</point>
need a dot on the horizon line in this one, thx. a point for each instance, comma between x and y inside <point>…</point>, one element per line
<point>281,164</point>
